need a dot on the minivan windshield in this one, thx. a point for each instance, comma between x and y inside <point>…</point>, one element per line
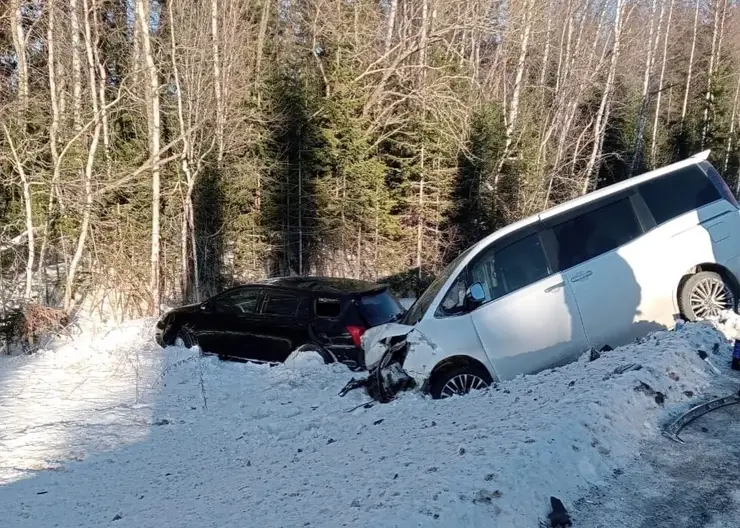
<point>419,308</point>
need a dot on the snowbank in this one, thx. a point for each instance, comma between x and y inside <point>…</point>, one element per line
<point>211,443</point>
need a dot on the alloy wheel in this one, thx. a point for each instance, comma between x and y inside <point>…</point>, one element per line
<point>710,297</point>
<point>462,384</point>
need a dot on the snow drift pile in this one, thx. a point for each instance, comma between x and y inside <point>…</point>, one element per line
<point>98,430</point>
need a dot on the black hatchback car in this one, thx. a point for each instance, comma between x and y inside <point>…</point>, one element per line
<point>266,321</point>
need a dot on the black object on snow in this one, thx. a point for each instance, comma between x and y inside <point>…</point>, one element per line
<point>352,385</point>
<point>606,348</point>
<point>558,517</point>
<point>702,354</point>
<point>594,355</point>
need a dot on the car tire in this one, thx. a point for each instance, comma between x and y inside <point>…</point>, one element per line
<point>459,380</point>
<point>185,338</point>
<point>327,356</point>
<point>705,294</point>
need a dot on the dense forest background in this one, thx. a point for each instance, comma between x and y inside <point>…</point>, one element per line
<point>156,151</point>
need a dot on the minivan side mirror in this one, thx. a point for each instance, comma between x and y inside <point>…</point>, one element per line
<point>475,296</point>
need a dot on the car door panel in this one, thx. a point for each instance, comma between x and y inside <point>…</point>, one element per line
<point>529,320</point>
<point>228,325</point>
<point>613,270</point>
<point>284,322</point>
<point>532,329</point>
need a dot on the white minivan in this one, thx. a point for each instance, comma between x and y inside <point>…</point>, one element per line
<point>603,269</point>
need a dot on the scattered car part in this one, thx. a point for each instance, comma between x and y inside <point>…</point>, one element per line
<point>558,517</point>
<point>672,430</point>
<point>385,380</point>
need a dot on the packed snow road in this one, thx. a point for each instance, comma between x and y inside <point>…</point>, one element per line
<point>691,485</point>
<point>109,428</point>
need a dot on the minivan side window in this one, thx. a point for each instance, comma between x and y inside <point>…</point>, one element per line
<point>506,270</point>
<point>596,232</point>
<point>677,193</point>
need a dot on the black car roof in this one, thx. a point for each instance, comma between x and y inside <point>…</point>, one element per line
<point>324,284</point>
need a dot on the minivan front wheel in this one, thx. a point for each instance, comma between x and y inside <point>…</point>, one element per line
<point>705,295</point>
<point>459,381</point>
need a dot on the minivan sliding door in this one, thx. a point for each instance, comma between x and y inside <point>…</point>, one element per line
<point>604,259</point>
<point>529,320</point>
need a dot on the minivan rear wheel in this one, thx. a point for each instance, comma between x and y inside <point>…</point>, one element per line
<point>704,295</point>
<point>459,381</point>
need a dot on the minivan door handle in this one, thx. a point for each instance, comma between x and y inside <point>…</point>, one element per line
<point>554,287</point>
<point>582,276</point>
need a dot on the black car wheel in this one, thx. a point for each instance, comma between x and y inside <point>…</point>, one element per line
<point>185,338</point>
<point>310,348</point>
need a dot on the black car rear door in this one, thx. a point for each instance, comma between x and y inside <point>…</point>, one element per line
<point>230,324</point>
<point>284,323</point>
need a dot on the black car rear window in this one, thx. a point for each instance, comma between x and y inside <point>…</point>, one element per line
<point>380,308</point>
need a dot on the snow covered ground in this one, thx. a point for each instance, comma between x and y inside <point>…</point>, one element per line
<point>108,427</point>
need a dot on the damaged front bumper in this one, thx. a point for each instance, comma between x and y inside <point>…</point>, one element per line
<point>397,358</point>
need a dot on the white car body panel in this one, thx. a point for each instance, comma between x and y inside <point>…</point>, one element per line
<point>373,341</point>
<point>531,329</point>
<point>456,336</point>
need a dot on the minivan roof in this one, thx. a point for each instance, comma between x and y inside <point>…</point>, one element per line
<point>616,187</point>
<point>592,196</point>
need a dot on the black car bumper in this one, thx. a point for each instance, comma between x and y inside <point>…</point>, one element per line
<point>353,357</point>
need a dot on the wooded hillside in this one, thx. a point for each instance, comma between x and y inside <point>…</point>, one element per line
<point>163,150</point>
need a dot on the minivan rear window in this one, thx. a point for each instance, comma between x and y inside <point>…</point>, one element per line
<point>677,193</point>
<point>380,308</point>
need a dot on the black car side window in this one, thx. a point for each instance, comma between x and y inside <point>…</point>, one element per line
<point>282,304</point>
<point>238,302</point>
<point>329,307</point>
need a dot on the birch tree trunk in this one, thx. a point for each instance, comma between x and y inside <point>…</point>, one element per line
<point>391,25</point>
<point>710,75</point>
<point>646,93</point>
<point>152,101</point>
<point>660,83</point>
<point>687,89</point>
<point>217,79</point>
<point>187,233</point>
<point>53,137</point>
<point>513,113</point>
<point>76,66</point>
<point>600,124</point>
<point>19,46</point>
<point>92,149</point>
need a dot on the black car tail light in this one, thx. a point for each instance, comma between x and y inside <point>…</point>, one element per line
<point>356,332</point>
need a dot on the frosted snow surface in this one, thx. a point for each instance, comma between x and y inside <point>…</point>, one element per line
<point>110,430</point>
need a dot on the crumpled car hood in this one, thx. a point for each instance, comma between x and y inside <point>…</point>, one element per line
<point>375,340</point>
